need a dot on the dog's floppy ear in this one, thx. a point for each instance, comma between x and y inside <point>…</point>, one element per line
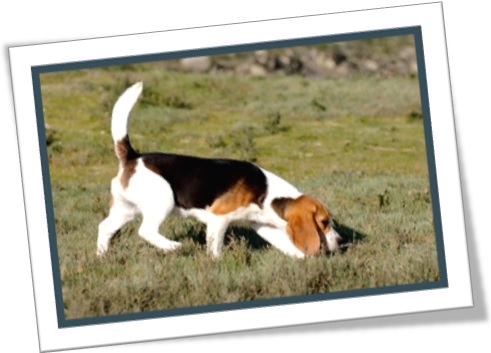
<point>302,229</point>
<point>302,226</point>
<point>282,206</point>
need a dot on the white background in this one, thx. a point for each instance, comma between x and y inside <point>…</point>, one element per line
<point>466,24</point>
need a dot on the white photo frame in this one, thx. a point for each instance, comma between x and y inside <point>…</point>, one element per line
<point>452,291</point>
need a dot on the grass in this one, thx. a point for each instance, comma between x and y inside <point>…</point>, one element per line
<point>357,145</point>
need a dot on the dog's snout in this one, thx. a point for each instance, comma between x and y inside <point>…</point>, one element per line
<point>333,238</point>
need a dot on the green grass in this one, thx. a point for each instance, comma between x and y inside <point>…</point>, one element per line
<point>357,145</point>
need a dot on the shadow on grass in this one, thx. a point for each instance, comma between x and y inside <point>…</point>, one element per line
<point>249,235</point>
<point>196,232</point>
<point>349,236</point>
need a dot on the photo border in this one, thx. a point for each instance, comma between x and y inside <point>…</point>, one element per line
<point>62,67</point>
<point>454,292</point>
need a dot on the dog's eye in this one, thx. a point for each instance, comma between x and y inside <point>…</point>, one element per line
<point>325,222</point>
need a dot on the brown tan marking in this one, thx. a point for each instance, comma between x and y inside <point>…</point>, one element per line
<point>128,171</point>
<point>123,148</point>
<point>307,222</point>
<point>127,159</point>
<point>240,195</point>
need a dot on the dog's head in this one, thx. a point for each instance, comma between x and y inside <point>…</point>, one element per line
<point>308,224</point>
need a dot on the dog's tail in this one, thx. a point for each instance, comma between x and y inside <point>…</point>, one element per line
<point>119,123</point>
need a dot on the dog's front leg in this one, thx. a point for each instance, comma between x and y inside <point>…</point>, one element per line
<point>215,233</point>
<point>279,239</point>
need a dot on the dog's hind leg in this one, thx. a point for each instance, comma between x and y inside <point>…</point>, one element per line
<point>120,213</point>
<point>153,196</point>
<point>149,229</point>
<point>155,208</point>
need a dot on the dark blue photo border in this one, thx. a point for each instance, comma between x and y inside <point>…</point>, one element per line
<point>415,31</point>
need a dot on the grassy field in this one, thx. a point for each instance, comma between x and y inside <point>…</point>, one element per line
<point>357,145</point>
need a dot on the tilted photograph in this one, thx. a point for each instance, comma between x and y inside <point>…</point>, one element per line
<point>224,181</point>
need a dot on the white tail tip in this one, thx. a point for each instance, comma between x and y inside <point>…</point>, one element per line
<point>122,109</point>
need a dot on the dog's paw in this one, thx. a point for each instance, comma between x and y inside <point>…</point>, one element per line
<point>171,246</point>
<point>101,251</point>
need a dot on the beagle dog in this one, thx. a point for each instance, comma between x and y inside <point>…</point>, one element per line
<point>218,192</point>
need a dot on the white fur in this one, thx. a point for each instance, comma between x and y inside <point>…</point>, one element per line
<point>122,109</point>
<point>279,239</point>
<point>333,239</point>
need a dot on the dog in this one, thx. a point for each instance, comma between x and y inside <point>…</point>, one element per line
<point>217,192</point>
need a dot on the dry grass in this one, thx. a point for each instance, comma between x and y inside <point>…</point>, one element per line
<point>353,144</point>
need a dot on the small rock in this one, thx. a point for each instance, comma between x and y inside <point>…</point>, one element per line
<point>196,64</point>
<point>370,65</point>
<point>407,53</point>
<point>326,63</point>
<point>257,70</point>
<point>261,57</point>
